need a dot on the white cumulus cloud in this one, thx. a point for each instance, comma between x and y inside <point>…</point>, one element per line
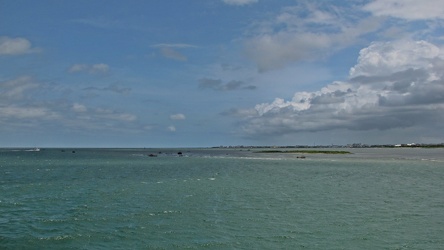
<point>394,85</point>
<point>15,46</point>
<point>383,58</point>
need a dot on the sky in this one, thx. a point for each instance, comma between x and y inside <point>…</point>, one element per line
<point>202,73</point>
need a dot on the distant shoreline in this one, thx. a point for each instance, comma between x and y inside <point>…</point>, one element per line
<point>269,149</point>
<point>304,151</point>
<point>356,145</point>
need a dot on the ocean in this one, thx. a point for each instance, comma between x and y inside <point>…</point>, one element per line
<point>221,199</point>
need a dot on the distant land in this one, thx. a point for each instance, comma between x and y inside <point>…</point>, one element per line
<point>305,151</point>
<point>354,145</point>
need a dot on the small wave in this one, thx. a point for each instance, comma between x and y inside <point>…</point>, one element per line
<point>431,159</point>
<point>54,220</point>
<point>57,238</point>
<point>164,212</point>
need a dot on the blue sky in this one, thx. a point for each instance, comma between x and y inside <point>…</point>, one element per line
<point>220,72</point>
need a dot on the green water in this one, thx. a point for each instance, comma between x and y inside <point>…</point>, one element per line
<point>220,199</point>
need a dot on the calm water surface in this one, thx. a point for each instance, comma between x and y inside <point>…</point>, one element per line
<point>221,199</point>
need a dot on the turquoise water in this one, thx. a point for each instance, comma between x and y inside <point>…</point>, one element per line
<point>221,199</point>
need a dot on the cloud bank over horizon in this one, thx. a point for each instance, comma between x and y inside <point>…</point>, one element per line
<point>394,85</point>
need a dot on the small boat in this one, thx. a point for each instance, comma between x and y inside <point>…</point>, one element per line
<point>34,150</point>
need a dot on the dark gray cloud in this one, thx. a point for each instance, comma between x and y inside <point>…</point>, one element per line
<point>406,76</point>
<point>330,98</point>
